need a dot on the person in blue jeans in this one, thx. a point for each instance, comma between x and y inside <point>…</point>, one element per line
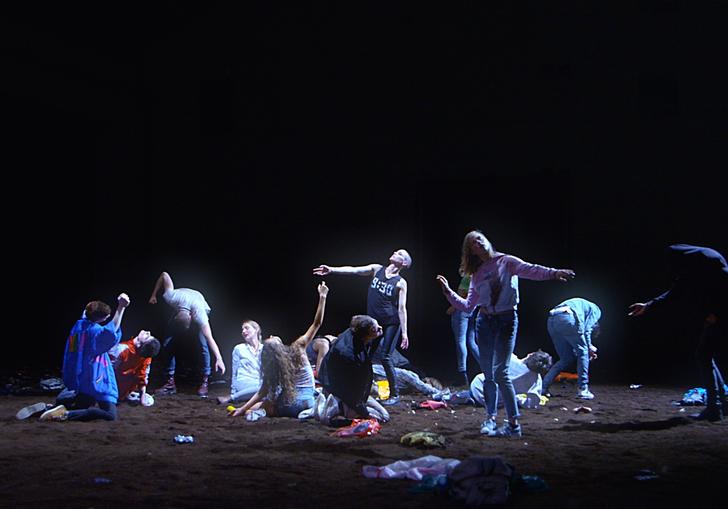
<point>288,385</point>
<point>572,325</point>
<point>463,330</point>
<point>494,286</point>
<point>189,318</point>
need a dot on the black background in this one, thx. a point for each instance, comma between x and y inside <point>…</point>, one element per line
<point>237,147</point>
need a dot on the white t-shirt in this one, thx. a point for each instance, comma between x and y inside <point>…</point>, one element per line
<point>524,381</point>
<point>246,368</point>
<point>191,300</point>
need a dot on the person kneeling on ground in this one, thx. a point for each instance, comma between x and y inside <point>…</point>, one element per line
<point>346,371</point>
<point>131,360</point>
<point>87,368</point>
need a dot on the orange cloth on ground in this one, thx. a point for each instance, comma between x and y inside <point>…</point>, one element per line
<point>565,376</point>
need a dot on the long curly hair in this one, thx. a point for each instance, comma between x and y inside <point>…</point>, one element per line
<point>280,364</point>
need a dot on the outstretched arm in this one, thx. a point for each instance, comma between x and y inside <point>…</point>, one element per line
<point>537,272</point>
<point>674,293</point>
<point>361,270</point>
<point>462,304</point>
<point>122,303</point>
<point>207,332</point>
<point>164,283</point>
<point>303,341</point>
<point>402,312</point>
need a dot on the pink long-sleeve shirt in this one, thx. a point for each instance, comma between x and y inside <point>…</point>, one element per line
<point>494,286</point>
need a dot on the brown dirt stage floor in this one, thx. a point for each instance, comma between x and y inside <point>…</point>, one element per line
<point>587,459</point>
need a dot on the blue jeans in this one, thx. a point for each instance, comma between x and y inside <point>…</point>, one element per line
<point>167,354</point>
<point>571,347</point>
<point>496,339</point>
<point>304,400</point>
<point>463,330</point>
<point>244,393</point>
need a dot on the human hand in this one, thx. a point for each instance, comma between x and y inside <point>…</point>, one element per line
<point>444,285</point>
<point>565,275</point>
<point>323,290</point>
<point>637,309</point>
<point>405,342</point>
<point>220,365</point>
<point>450,310</point>
<point>153,299</point>
<point>592,352</point>
<point>123,300</point>
<point>322,270</point>
<point>236,412</point>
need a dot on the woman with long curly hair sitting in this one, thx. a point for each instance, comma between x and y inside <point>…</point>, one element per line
<point>288,382</point>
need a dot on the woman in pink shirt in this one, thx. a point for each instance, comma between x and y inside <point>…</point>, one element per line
<point>494,287</point>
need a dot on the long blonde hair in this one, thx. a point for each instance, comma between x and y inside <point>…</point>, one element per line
<point>469,263</point>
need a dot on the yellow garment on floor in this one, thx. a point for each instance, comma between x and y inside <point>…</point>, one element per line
<point>382,389</point>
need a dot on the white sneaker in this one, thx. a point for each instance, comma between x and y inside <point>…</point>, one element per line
<point>584,393</point>
<point>29,410</point>
<point>488,427</point>
<point>58,413</point>
<point>318,406</point>
<point>331,409</point>
<point>255,415</point>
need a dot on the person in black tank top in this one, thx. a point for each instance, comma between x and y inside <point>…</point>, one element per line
<point>386,303</point>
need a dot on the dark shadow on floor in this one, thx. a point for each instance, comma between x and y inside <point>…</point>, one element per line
<point>628,426</point>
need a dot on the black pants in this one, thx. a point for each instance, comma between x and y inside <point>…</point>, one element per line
<point>709,355</point>
<point>81,407</point>
<point>386,347</point>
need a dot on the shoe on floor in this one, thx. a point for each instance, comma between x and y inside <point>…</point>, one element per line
<point>203,390</point>
<point>58,413</point>
<point>584,393</point>
<point>168,388</point>
<point>392,400</point>
<point>29,410</point>
<point>508,431</point>
<point>488,427</point>
<point>255,415</point>
<point>709,414</point>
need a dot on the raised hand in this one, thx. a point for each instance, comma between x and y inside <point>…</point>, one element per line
<point>323,290</point>
<point>443,283</point>
<point>123,300</point>
<point>322,270</point>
